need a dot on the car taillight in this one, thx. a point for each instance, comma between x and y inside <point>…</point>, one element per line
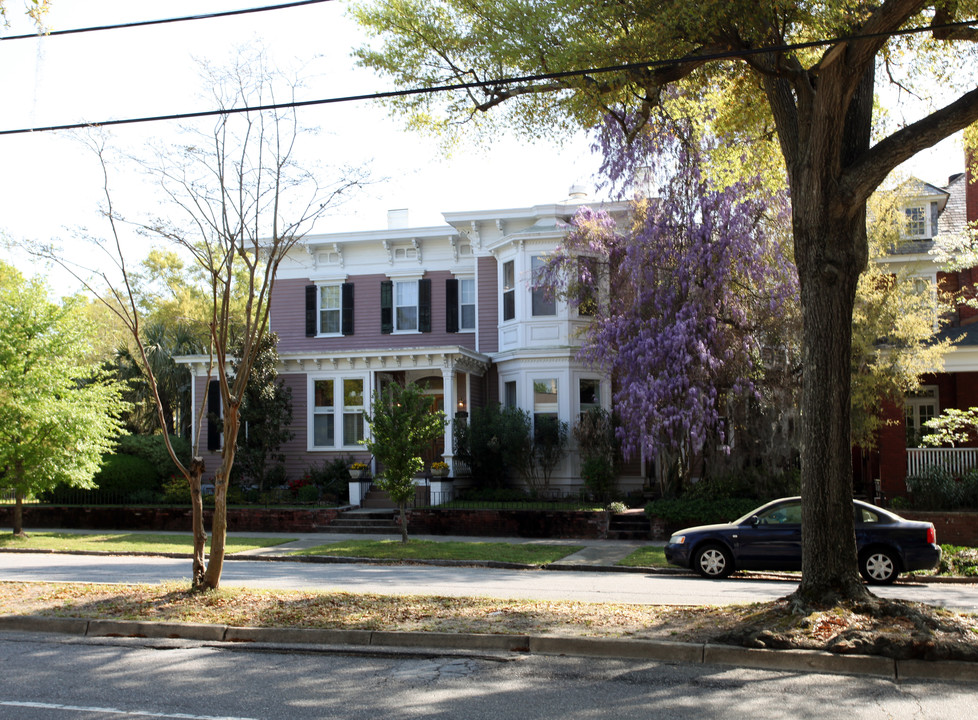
<point>932,535</point>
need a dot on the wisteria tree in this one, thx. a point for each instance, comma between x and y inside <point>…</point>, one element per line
<point>702,284</point>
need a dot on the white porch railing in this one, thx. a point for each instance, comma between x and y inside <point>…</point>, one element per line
<point>957,461</point>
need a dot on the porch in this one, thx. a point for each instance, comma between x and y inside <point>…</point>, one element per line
<point>957,461</point>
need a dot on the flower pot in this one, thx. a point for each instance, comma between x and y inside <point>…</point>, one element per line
<point>439,472</point>
<point>356,474</point>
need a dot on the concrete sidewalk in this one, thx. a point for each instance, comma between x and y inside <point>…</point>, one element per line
<point>594,555</point>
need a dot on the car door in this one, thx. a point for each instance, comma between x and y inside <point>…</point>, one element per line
<point>773,541</point>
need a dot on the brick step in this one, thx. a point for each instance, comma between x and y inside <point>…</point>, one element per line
<point>630,526</point>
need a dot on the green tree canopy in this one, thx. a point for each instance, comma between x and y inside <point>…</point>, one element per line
<point>800,72</point>
<point>402,425</point>
<point>58,412</point>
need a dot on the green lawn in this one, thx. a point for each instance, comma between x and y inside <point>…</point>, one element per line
<point>651,556</point>
<point>126,542</point>
<point>531,554</point>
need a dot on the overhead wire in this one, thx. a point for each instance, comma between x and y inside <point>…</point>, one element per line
<point>497,82</point>
<point>161,21</point>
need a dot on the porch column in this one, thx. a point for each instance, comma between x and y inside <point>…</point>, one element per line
<point>448,388</point>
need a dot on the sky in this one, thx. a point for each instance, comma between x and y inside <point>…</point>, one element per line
<point>50,185</point>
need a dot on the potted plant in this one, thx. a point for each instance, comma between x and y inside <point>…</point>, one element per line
<point>439,469</point>
<point>358,470</point>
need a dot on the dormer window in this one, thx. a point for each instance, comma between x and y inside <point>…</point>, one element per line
<point>920,219</point>
<point>915,225</point>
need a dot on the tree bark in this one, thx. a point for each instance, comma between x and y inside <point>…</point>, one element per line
<point>19,514</point>
<point>831,252</point>
<point>404,531</point>
<point>197,512</point>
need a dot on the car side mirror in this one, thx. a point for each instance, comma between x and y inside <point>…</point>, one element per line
<point>754,520</point>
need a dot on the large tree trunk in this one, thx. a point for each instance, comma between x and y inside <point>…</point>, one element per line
<point>831,252</point>
<point>19,514</point>
<point>215,561</point>
<point>829,568</point>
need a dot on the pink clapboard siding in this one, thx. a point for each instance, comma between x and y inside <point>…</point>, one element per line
<point>288,319</point>
<point>488,305</point>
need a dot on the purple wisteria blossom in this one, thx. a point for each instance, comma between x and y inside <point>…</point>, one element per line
<point>693,288</point>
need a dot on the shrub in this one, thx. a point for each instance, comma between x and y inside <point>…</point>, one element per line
<point>152,448</point>
<point>123,476</point>
<point>308,494</point>
<point>332,477</point>
<point>934,489</point>
<point>496,444</point>
<point>698,510</point>
<point>968,490</point>
<point>617,507</point>
<point>176,491</point>
<point>598,474</point>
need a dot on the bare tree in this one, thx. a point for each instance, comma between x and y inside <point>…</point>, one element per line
<point>242,202</point>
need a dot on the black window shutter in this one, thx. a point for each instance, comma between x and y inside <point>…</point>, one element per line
<point>312,293</point>
<point>451,305</point>
<point>424,305</point>
<point>214,415</point>
<point>347,298</point>
<point>387,306</point>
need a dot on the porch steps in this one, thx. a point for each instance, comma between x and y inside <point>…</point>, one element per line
<point>630,525</point>
<point>364,522</point>
<point>377,500</point>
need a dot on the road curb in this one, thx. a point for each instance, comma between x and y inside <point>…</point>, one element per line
<point>807,661</point>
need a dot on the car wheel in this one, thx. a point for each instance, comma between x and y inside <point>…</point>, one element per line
<point>713,561</point>
<point>879,567</point>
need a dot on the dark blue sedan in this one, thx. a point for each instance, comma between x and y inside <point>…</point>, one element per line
<point>769,538</point>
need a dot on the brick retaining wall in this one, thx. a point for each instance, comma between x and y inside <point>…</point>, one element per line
<point>953,528</point>
<point>168,519</point>
<point>509,523</point>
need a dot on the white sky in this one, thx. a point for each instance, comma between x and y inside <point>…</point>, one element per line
<point>49,183</point>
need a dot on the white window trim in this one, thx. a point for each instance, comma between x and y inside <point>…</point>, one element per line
<point>396,278</point>
<point>503,291</point>
<point>474,303</point>
<point>319,309</point>
<point>338,410</point>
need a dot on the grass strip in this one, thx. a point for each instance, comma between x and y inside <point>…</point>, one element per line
<point>527,553</point>
<point>651,556</point>
<point>127,542</point>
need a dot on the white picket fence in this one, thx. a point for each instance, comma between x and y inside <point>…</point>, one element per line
<point>957,461</point>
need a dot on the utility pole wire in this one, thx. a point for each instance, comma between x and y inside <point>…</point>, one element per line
<point>731,54</point>
<point>163,21</point>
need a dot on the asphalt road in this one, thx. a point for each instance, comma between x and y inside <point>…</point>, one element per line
<point>49,677</point>
<point>637,588</point>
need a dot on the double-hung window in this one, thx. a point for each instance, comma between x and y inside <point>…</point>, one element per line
<point>545,407</point>
<point>329,309</point>
<point>542,302</point>
<point>509,290</point>
<point>589,394</point>
<point>466,304</point>
<point>405,306</point>
<point>337,413</point>
<point>460,305</point>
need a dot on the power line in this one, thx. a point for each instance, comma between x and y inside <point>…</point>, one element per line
<point>732,54</point>
<point>163,21</point>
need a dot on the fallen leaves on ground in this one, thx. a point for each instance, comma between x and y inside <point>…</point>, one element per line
<point>883,628</point>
